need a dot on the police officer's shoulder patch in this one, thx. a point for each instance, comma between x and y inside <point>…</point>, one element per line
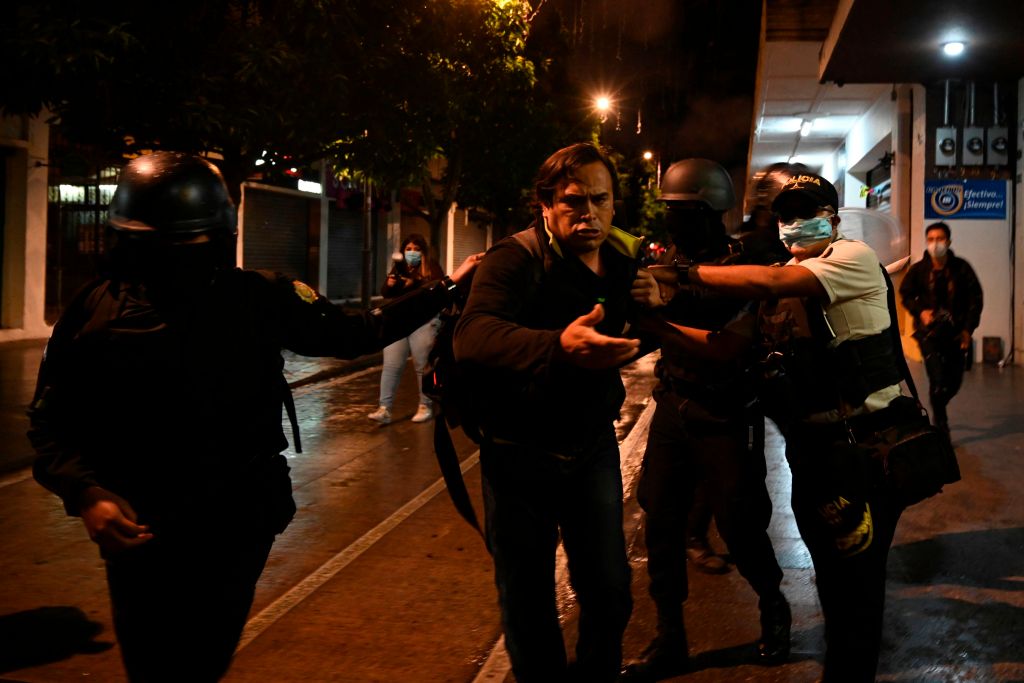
<point>304,291</point>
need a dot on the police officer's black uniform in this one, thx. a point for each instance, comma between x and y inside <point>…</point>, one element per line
<point>166,390</point>
<point>707,426</point>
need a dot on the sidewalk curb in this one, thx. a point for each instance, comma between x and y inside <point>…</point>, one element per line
<point>342,369</point>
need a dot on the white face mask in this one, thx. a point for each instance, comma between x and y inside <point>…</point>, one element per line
<point>937,249</point>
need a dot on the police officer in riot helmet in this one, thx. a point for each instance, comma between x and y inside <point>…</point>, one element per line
<point>696,193</point>
<point>157,415</point>
<point>707,426</point>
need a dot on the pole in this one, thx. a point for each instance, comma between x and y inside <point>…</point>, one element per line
<point>367,243</point>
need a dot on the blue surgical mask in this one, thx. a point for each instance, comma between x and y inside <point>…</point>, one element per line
<point>806,231</point>
<point>413,258</point>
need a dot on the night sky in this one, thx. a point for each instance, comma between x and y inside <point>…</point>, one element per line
<point>687,66</point>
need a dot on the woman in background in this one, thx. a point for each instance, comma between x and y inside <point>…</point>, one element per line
<point>412,268</point>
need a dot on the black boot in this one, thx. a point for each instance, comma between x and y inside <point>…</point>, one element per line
<point>776,620</point>
<point>700,554</point>
<point>666,656</point>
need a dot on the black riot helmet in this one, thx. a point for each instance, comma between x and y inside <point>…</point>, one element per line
<point>174,196</point>
<point>696,193</point>
<point>700,180</point>
<point>173,222</point>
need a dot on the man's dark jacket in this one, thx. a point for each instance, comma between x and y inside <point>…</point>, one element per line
<point>964,297</point>
<point>508,338</point>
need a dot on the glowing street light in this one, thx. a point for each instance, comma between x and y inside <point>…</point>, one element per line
<point>953,49</point>
<point>603,105</point>
<point>648,155</point>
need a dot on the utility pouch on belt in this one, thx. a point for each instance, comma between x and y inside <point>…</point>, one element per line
<point>917,458</point>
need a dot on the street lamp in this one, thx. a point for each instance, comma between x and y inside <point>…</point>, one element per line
<point>603,105</point>
<point>650,156</point>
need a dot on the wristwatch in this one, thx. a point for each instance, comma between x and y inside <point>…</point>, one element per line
<point>682,269</point>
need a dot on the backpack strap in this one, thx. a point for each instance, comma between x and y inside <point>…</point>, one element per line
<point>444,447</point>
<point>289,407</point>
<point>451,471</point>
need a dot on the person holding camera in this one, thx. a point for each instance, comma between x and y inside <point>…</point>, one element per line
<point>412,268</point>
<point>943,294</point>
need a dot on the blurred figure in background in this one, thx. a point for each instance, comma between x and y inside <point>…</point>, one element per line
<point>759,235</point>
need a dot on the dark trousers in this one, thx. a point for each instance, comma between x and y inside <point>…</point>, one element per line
<point>530,496</point>
<point>686,445</point>
<point>944,361</point>
<point>179,605</point>
<point>699,520</point>
<point>847,522</point>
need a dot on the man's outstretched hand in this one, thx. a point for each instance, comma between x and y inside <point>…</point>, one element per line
<point>584,346</point>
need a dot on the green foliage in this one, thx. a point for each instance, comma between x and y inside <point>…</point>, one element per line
<point>379,87</point>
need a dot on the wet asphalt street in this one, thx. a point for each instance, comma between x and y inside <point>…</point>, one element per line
<point>377,579</point>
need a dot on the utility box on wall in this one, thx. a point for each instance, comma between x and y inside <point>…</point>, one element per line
<point>945,146</point>
<point>974,146</point>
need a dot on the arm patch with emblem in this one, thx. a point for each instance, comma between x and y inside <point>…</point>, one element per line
<point>304,291</point>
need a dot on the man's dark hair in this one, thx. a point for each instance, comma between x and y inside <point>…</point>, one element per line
<point>562,165</point>
<point>938,226</point>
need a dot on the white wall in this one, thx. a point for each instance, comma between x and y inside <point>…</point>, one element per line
<point>1018,280</point>
<point>24,269</point>
<point>870,129</point>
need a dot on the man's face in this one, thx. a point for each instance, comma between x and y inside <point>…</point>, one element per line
<point>693,226</point>
<point>580,214</point>
<point>936,241</point>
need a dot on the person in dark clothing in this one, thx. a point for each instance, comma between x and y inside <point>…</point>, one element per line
<point>541,335</point>
<point>157,414</point>
<point>707,430</point>
<point>699,550</point>
<point>943,294</point>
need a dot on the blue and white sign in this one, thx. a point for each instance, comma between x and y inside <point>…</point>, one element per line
<point>955,199</point>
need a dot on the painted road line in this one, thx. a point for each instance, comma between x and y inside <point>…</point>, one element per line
<point>328,570</point>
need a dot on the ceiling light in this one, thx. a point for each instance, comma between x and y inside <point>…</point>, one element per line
<point>805,128</point>
<point>953,49</point>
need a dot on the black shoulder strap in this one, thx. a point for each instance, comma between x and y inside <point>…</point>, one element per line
<point>444,448</point>
<point>894,331</point>
<point>451,471</point>
<point>289,407</point>
<point>530,240</point>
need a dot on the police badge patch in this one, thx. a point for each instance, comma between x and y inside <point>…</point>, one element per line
<point>304,291</point>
